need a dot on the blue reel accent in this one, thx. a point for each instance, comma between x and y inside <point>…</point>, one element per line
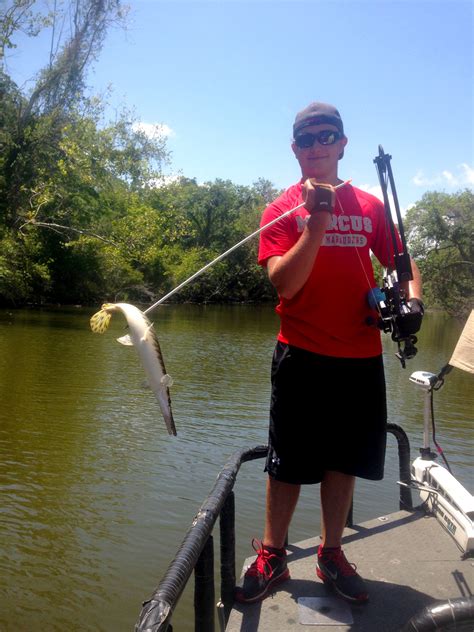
<point>374,297</point>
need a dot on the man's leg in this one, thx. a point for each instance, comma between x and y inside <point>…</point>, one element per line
<point>332,567</point>
<point>336,497</point>
<point>270,568</point>
<point>281,503</point>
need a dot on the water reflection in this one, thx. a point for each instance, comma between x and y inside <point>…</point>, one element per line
<point>97,496</point>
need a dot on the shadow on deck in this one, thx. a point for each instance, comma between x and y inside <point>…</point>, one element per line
<point>407,559</point>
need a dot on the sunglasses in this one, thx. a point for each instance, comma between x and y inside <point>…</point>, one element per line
<point>326,137</point>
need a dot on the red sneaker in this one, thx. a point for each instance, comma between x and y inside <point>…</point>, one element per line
<point>335,570</point>
<point>268,570</point>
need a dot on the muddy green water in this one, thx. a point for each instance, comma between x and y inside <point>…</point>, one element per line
<point>96,497</point>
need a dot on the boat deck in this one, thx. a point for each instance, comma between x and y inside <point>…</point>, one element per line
<point>408,560</point>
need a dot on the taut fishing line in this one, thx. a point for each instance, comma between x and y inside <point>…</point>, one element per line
<point>231,249</point>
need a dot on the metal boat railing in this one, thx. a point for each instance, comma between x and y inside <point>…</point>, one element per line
<point>196,552</point>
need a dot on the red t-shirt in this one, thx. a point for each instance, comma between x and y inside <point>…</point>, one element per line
<point>329,314</point>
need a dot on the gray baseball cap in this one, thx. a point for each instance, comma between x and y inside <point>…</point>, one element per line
<point>315,114</point>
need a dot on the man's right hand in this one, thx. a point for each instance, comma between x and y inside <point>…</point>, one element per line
<point>318,197</point>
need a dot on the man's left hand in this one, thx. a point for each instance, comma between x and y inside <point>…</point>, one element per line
<point>410,322</point>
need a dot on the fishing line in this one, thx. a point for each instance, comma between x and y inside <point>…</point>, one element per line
<point>227,252</point>
<point>371,289</point>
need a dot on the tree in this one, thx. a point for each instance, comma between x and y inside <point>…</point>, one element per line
<point>60,169</point>
<point>202,222</point>
<point>18,16</point>
<point>33,145</point>
<point>440,230</point>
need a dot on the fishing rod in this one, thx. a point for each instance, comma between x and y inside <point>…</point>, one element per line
<point>227,252</point>
<point>397,314</point>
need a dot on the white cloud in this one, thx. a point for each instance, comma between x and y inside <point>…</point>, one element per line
<point>449,177</point>
<point>164,180</point>
<point>419,179</point>
<point>170,178</point>
<point>373,190</point>
<point>153,130</point>
<point>377,191</point>
<point>463,176</point>
<point>468,173</point>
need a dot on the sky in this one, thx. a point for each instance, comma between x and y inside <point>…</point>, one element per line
<point>225,79</point>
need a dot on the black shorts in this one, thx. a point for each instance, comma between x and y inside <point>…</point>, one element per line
<point>326,414</point>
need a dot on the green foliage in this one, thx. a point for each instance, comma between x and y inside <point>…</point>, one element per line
<point>440,229</point>
<point>24,270</point>
<point>187,225</point>
<point>100,272</point>
<point>65,178</point>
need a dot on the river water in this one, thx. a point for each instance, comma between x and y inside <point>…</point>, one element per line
<point>96,497</point>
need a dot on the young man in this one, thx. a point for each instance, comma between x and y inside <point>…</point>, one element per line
<point>328,405</point>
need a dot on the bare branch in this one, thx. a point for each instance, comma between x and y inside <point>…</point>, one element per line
<point>57,228</point>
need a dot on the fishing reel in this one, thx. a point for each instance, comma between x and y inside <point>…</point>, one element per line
<point>397,316</point>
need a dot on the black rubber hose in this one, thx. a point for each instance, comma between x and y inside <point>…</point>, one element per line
<point>443,615</point>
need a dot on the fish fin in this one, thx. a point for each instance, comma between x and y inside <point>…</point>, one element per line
<point>167,380</point>
<point>145,335</point>
<point>125,340</point>
<point>100,321</point>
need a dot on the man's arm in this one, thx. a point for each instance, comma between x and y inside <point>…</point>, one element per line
<point>410,323</point>
<point>413,288</point>
<point>289,272</point>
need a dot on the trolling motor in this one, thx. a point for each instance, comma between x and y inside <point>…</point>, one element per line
<point>396,314</point>
<point>442,494</point>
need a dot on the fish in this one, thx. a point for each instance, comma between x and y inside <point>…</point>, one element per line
<point>143,337</point>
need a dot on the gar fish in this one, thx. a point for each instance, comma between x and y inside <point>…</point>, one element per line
<point>143,337</point>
